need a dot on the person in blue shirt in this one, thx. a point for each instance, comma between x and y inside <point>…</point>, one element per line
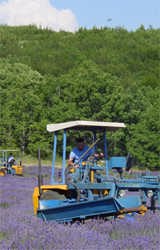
<point>80,153</point>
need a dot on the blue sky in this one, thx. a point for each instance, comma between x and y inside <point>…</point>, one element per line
<point>126,13</point>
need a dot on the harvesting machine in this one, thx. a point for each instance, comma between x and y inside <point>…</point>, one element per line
<point>90,190</point>
<point>10,167</point>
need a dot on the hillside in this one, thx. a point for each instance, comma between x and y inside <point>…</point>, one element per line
<point>100,74</point>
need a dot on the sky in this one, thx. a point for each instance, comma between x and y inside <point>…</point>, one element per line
<point>70,15</point>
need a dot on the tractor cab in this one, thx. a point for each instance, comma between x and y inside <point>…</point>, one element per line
<point>86,189</point>
<point>98,145</point>
<point>10,162</point>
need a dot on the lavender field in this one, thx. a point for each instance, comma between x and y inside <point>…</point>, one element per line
<point>20,229</point>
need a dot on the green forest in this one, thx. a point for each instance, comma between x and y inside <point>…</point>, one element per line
<point>101,74</point>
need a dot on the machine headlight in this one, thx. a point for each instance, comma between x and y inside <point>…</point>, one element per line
<point>122,193</point>
<point>149,193</point>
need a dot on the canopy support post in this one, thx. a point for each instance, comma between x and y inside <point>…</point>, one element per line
<point>106,153</point>
<point>64,156</point>
<point>94,138</point>
<point>54,158</point>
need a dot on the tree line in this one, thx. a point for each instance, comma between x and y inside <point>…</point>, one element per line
<point>98,74</point>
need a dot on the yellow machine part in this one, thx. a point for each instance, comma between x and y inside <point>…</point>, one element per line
<point>2,171</point>
<point>45,188</point>
<point>83,163</point>
<point>141,210</point>
<point>18,169</point>
<point>72,170</point>
<point>104,192</point>
<point>92,176</point>
<point>35,199</point>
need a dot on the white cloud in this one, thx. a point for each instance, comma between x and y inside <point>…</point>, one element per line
<point>37,12</point>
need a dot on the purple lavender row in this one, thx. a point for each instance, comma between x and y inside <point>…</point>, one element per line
<point>20,229</point>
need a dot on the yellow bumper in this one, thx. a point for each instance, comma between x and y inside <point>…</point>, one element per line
<point>45,188</point>
<point>18,169</point>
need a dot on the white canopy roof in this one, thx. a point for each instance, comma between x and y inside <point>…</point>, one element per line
<point>90,125</point>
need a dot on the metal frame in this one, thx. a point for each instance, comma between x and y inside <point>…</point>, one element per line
<point>54,157</point>
<point>64,145</point>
